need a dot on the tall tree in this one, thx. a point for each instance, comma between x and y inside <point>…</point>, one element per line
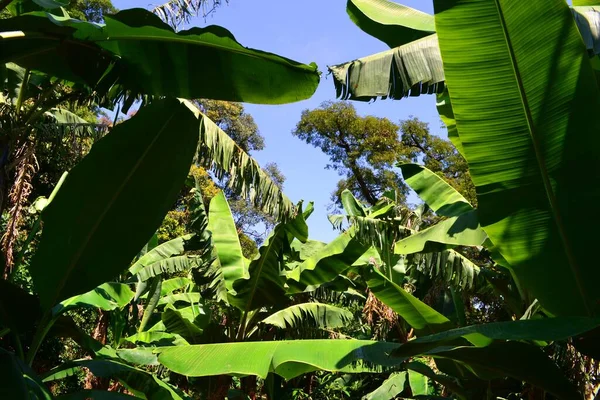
<point>363,150</point>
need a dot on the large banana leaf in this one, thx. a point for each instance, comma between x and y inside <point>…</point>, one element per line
<point>520,361</point>
<point>424,319</point>
<point>325,265</point>
<point>523,142</point>
<point>442,198</point>
<point>415,68</point>
<point>99,205</point>
<point>137,50</point>
<point>134,379</point>
<point>392,23</point>
<point>232,265</point>
<point>285,358</point>
<point>547,329</point>
<point>310,314</point>
<point>463,230</point>
<point>447,265</point>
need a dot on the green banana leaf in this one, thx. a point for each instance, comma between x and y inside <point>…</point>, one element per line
<point>442,198</point>
<point>419,384</point>
<point>134,379</point>
<point>108,296</point>
<point>424,319</point>
<point>266,284</point>
<point>99,201</point>
<point>170,285</point>
<point>521,361</point>
<point>151,304</point>
<point>139,52</point>
<point>190,298</point>
<point>547,329</point>
<point>325,265</point>
<point>312,314</point>
<point>522,142</point>
<point>392,23</point>
<point>415,68</point>
<point>169,266</point>
<point>96,395</point>
<point>161,252</point>
<point>447,265</point>
<point>18,381</point>
<point>285,358</point>
<point>463,230</point>
<point>445,380</point>
<point>226,242</point>
<point>176,323</point>
<point>390,388</point>
<point>409,70</point>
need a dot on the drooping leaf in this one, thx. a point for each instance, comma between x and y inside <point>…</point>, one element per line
<point>392,74</point>
<point>186,297</point>
<point>327,264</point>
<point>265,284</point>
<point>132,47</point>
<point>170,285</point>
<point>169,266</point>
<point>546,329</point>
<point>161,252</point>
<point>521,155</point>
<point>445,380</point>
<point>351,205</point>
<point>175,323</point>
<point>419,315</point>
<point>155,338</point>
<point>520,361</point>
<point>389,389</point>
<point>285,358</point>
<point>412,69</point>
<point>462,230</point>
<point>392,23</point>
<point>108,296</point>
<point>220,153</point>
<point>310,314</point>
<point>448,265</point>
<point>153,298</point>
<point>18,381</point>
<point>134,379</point>
<point>99,202</point>
<point>442,198</point>
<point>226,241</point>
<point>194,313</point>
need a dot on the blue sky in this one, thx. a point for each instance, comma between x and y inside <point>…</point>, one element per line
<point>307,31</point>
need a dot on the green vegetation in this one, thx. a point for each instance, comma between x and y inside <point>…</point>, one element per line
<point>132,263</point>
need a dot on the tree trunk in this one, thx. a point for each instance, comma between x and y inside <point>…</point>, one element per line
<point>100,332</point>
<point>220,392</point>
<point>249,386</point>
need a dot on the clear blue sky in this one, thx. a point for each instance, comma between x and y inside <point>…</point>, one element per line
<point>307,31</point>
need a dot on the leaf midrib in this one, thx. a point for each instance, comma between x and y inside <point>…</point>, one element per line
<point>83,246</point>
<point>541,163</point>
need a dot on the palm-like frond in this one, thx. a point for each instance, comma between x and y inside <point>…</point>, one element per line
<point>416,68</point>
<point>179,12</point>
<point>449,266</point>
<point>220,153</point>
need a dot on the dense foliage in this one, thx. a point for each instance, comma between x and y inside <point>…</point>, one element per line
<point>129,271</point>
